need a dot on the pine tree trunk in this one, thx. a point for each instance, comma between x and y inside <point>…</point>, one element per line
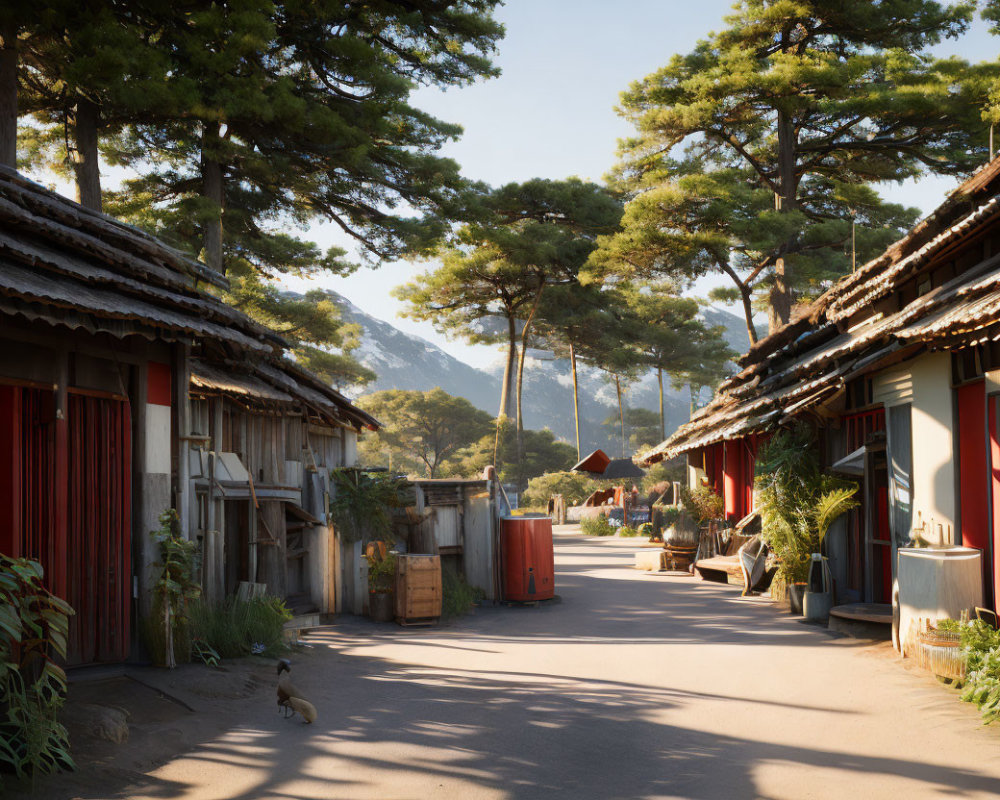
<point>86,161</point>
<point>576,399</point>
<point>748,314</point>
<point>508,371</point>
<point>621,411</point>
<point>212,188</point>
<point>8,96</point>
<point>663,421</point>
<point>520,375</point>
<point>781,293</point>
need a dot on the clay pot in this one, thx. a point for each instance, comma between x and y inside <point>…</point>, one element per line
<point>683,532</point>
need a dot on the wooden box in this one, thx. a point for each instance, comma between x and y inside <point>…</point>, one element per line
<point>418,588</point>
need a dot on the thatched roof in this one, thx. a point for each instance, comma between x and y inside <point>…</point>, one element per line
<point>75,268</point>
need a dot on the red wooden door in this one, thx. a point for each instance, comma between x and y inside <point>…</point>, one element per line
<point>994,420</point>
<point>973,476</point>
<point>66,501</point>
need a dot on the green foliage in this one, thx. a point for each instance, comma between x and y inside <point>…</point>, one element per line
<point>626,531</point>
<point>421,429</point>
<point>703,503</point>
<point>381,572</point>
<point>541,454</point>
<point>796,500</point>
<point>597,526</point>
<point>457,596</point>
<point>176,583</point>
<point>243,123</point>
<point>809,101</point>
<point>231,629</point>
<point>34,625</point>
<point>669,515</point>
<point>361,501</point>
<point>646,529</point>
<point>981,646</point>
<point>494,273</point>
<point>575,487</point>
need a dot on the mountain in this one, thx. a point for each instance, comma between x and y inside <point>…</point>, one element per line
<point>404,361</point>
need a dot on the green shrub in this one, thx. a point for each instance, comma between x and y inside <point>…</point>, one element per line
<point>457,596</point>
<point>381,572</point>
<point>703,503</point>
<point>625,530</point>
<point>362,501</point>
<point>176,588</point>
<point>597,526</point>
<point>573,486</point>
<point>646,529</point>
<point>238,628</point>
<point>669,516</point>
<point>34,625</point>
<point>797,500</point>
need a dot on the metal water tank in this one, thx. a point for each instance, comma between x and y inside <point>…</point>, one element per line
<point>934,583</point>
<point>528,559</point>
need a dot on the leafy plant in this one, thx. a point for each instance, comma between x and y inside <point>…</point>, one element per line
<point>703,503</point>
<point>796,500</point>
<point>361,503</point>
<point>381,572</point>
<point>34,626</point>
<point>176,585</point>
<point>233,628</point>
<point>669,515</point>
<point>625,530</point>
<point>457,596</point>
<point>646,529</point>
<point>597,526</point>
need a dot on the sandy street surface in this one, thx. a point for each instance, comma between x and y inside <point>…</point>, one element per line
<point>633,686</point>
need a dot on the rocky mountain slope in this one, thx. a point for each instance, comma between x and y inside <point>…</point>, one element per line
<point>405,361</point>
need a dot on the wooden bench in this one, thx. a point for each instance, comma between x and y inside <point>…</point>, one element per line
<point>724,566</point>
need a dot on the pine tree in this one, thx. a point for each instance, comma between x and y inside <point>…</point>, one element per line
<point>696,219</point>
<point>811,96</point>
<point>531,236</point>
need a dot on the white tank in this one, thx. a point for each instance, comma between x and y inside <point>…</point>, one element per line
<point>934,583</point>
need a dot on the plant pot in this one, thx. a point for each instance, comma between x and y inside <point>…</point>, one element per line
<point>796,594</point>
<point>816,605</point>
<point>380,606</point>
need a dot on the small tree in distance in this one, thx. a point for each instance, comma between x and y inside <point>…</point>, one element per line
<point>422,429</point>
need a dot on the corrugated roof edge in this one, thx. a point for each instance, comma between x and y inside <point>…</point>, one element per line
<point>174,257</point>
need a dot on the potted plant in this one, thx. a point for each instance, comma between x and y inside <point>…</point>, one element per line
<point>381,581</point>
<point>797,504</point>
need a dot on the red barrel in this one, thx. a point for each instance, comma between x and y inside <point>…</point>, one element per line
<point>528,560</point>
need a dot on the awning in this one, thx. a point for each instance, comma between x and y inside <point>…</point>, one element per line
<point>851,464</point>
<point>596,462</point>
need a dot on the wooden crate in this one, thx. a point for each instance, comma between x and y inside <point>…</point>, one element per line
<point>418,588</point>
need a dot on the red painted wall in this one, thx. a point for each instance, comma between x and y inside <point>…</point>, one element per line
<point>973,479</point>
<point>158,384</point>
<point>995,486</point>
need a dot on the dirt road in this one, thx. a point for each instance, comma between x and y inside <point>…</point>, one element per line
<point>633,686</point>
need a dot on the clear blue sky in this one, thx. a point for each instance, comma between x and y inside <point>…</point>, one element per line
<point>551,113</point>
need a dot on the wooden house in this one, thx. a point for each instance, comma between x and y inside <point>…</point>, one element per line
<point>101,329</point>
<point>263,438</point>
<point>898,368</point>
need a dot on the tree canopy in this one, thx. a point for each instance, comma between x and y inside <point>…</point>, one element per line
<point>806,100</point>
<point>421,429</point>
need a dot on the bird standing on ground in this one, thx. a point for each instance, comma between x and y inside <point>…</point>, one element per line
<point>289,697</point>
